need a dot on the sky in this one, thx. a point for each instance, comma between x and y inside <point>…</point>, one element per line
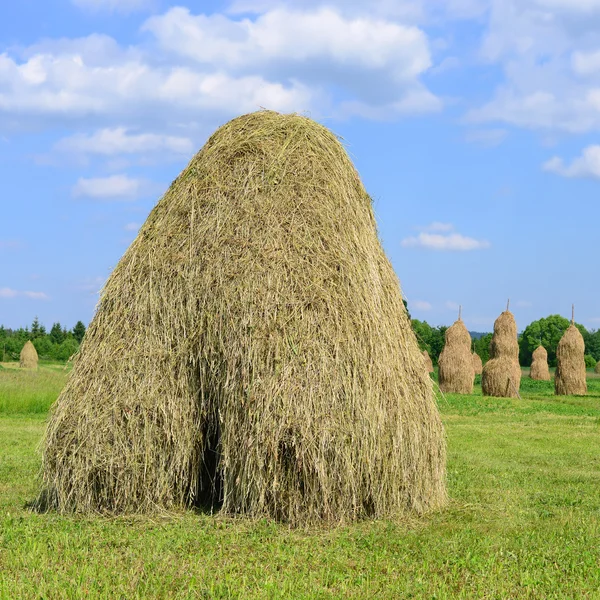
<point>474,125</point>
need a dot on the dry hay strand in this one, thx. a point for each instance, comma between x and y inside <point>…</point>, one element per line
<point>501,375</point>
<point>251,350</point>
<point>428,362</point>
<point>570,376</point>
<point>29,356</point>
<point>539,365</point>
<point>456,371</point>
<point>477,363</point>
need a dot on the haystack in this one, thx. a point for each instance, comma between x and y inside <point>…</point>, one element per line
<point>539,365</point>
<point>428,362</point>
<point>501,376</point>
<point>477,364</point>
<point>597,367</point>
<point>29,356</point>
<point>251,350</point>
<point>570,376</point>
<point>456,371</point>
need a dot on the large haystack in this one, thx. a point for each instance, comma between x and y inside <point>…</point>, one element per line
<point>29,357</point>
<point>539,365</point>
<point>456,372</point>
<point>251,348</point>
<point>501,376</point>
<point>428,362</point>
<point>477,364</point>
<point>570,376</point>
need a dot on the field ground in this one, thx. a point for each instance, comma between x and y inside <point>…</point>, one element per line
<point>523,521</point>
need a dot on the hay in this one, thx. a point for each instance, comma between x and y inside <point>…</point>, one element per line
<point>597,367</point>
<point>251,349</point>
<point>456,372</point>
<point>428,362</point>
<point>29,356</point>
<point>539,365</point>
<point>501,376</point>
<point>570,376</point>
<point>477,364</point>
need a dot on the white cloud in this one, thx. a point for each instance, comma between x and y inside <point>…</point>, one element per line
<point>548,50</point>
<point>449,242</point>
<point>47,89</point>
<point>115,187</point>
<point>375,62</point>
<point>421,305</point>
<point>132,226</point>
<point>586,165</point>
<point>441,236</point>
<point>197,69</point>
<point>10,293</point>
<point>118,140</point>
<point>121,6</point>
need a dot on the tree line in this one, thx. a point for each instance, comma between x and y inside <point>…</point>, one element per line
<point>545,332</point>
<point>57,344</point>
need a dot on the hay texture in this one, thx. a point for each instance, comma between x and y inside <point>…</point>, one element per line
<point>456,372</point>
<point>29,356</point>
<point>477,364</point>
<point>251,350</point>
<point>570,376</point>
<point>428,362</point>
<point>539,365</point>
<point>501,376</point>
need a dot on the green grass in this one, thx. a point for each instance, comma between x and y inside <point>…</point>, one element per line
<point>26,391</point>
<point>523,522</point>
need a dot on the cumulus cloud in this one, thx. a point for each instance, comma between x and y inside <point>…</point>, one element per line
<point>376,62</point>
<point>118,140</point>
<point>114,187</point>
<point>195,69</point>
<point>10,293</point>
<point>586,165</point>
<point>441,236</point>
<point>548,50</point>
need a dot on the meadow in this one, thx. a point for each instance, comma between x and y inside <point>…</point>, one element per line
<point>523,519</point>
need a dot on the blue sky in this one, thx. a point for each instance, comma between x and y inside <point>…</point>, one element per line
<point>474,125</point>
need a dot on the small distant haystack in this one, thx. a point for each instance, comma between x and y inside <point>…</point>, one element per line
<point>251,350</point>
<point>29,357</point>
<point>597,367</point>
<point>570,377</point>
<point>477,363</point>
<point>539,365</point>
<point>501,376</point>
<point>428,361</point>
<point>456,371</point>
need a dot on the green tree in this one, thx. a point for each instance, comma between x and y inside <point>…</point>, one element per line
<point>35,328</point>
<point>56,334</point>
<point>482,347</point>
<point>546,332</point>
<point>78,331</point>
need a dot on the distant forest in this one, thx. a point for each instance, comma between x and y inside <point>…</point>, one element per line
<point>58,344</point>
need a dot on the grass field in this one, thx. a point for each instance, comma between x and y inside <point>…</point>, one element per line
<point>523,521</point>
